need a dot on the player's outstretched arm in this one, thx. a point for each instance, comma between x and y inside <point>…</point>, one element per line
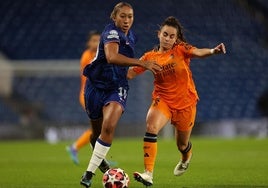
<point>205,52</point>
<point>113,57</point>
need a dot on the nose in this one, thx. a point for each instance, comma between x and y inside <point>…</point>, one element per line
<point>167,38</point>
<point>126,20</point>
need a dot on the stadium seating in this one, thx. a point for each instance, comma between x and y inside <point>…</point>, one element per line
<point>229,85</point>
<point>8,117</point>
<point>58,97</point>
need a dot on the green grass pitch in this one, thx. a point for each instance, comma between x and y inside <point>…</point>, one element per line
<point>216,163</point>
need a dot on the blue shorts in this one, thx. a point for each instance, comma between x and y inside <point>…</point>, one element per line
<point>96,99</point>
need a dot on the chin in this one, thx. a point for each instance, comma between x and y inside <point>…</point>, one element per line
<point>124,30</point>
<point>167,47</point>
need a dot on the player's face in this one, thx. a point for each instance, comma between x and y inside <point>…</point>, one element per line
<point>124,18</point>
<point>94,42</point>
<point>167,37</point>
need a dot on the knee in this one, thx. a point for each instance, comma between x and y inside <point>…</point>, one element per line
<point>150,128</point>
<point>107,129</point>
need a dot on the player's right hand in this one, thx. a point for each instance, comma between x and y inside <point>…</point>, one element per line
<point>220,49</point>
<point>152,66</point>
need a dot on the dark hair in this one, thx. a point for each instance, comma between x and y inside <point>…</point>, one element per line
<point>91,34</point>
<point>174,22</point>
<point>117,7</point>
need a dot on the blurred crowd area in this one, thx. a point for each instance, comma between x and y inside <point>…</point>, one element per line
<point>41,42</point>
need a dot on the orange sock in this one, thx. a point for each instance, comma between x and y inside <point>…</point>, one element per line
<point>150,151</point>
<point>83,139</point>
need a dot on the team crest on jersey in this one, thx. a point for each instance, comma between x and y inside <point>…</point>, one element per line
<point>113,34</point>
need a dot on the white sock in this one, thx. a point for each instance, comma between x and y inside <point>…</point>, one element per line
<point>74,146</point>
<point>99,153</point>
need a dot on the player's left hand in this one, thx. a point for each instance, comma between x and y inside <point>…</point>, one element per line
<point>220,49</point>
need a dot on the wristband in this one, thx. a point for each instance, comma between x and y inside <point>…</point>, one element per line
<point>212,51</point>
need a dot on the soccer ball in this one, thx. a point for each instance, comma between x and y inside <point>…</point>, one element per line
<point>115,178</point>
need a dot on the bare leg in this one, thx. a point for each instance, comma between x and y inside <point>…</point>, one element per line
<point>182,139</point>
<point>111,114</point>
<point>96,130</point>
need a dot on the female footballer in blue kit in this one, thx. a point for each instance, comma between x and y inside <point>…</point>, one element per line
<point>107,86</point>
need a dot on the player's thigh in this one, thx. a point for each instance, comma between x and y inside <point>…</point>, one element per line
<point>157,117</point>
<point>111,114</point>
<point>184,119</point>
<point>114,106</point>
<point>93,102</point>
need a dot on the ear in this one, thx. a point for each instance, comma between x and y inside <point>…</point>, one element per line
<point>113,18</point>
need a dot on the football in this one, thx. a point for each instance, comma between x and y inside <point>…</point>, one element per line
<point>115,178</point>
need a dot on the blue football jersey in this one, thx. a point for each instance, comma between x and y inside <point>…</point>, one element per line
<point>110,76</point>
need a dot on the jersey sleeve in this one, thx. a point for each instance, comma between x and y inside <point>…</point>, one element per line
<point>111,35</point>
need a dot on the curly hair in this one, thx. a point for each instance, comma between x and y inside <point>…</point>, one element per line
<point>174,22</point>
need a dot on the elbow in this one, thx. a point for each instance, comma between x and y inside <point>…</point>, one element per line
<point>111,58</point>
<point>131,74</point>
<point>198,54</point>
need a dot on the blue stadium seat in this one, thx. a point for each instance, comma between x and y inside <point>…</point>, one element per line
<point>7,116</point>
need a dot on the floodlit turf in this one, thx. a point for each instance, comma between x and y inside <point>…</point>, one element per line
<point>216,163</point>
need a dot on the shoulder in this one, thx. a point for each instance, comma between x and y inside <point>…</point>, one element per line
<point>88,53</point>
<point>110,31</point>
<point>109,27</point>
<point>86,58</point>
<point>85,54</point>
<point>184,45</point>
<point>149,54</point>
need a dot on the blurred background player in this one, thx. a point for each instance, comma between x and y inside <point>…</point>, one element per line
<point>107,85</point>
<point>87,56</point>
<point>174,95</point>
